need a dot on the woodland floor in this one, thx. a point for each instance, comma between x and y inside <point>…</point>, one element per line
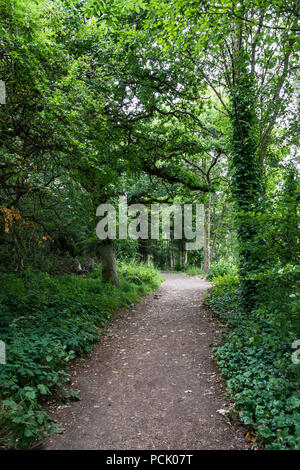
<point>150,382</point>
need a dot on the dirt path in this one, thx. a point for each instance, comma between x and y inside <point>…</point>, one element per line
<point>151,384</point>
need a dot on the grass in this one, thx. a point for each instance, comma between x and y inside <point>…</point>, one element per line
<point>194,271</point>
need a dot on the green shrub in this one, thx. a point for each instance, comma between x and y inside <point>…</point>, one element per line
<point>194,271</point>
<point>217,269</point>
<point>222,268</point>
<point>46,322</point>
<point>223,299</point>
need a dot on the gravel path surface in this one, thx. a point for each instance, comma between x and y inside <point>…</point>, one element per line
<point>150,382</point>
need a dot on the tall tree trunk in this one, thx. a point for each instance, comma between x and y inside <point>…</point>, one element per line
<point>205,251</point>
<point>208,232</point>
<point>217,231</point>
<point>143,249</point>
<point>205,231</point>
<point>171,254</point>
<point>108,260</point>
<point>246,170</point>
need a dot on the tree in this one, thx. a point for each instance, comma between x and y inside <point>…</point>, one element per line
<point>232,47</point>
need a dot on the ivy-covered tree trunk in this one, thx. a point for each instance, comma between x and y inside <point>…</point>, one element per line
<point>246,175</point>
<point>108,260</point>
<point>205,242</point>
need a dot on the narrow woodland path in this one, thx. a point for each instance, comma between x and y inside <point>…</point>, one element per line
<point>150,383</point>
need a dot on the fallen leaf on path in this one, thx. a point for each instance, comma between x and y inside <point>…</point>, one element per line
<point>223,412</point>
<point>251,438</point>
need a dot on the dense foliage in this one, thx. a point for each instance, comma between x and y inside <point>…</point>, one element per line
<point>256,359</point>
<point>164,102</point>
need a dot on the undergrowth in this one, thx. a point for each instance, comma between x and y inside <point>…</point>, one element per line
<point>45,322</point>
<point>217,268</point>
<point>256,358</point>
<point>194,271</point>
